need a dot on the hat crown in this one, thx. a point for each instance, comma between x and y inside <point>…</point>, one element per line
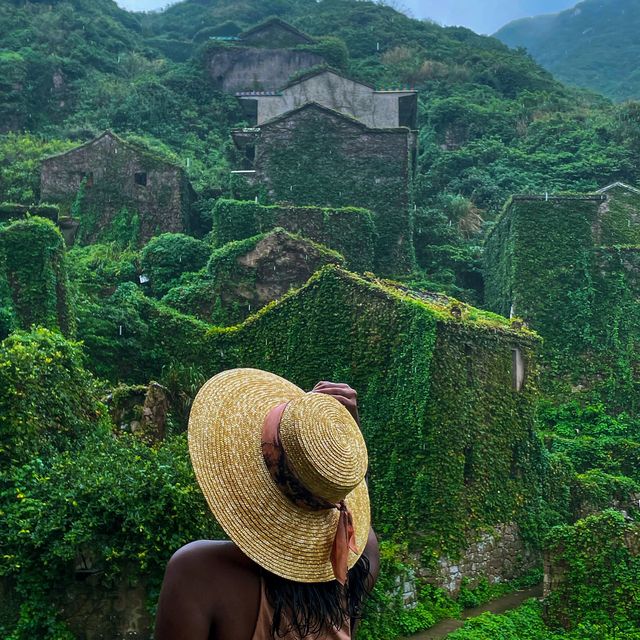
<point>323,445</point>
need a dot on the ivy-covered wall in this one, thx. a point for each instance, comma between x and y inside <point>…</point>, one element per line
<point>349,230</point>
<point>316,156</point>
<point>243,276</point>
<point>619,218</point>
<point>118,191</point>
<point>34,287</point>
<point>551,261</point>
<point>13,211</point>
<point>451,441</point>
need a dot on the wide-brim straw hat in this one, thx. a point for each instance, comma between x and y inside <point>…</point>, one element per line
<point>323,445</point>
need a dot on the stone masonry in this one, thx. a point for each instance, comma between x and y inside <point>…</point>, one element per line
<point>376,109</point>
<point>499,556</point>
<point>117,175</point>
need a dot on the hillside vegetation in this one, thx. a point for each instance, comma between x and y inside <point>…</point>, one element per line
<point>594,45</point>
<point>96,487</point>
<point>492,122</point>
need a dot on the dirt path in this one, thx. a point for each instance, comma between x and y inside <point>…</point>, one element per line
<point>510,601</point>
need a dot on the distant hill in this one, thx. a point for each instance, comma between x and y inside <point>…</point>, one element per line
<point>594,45</point>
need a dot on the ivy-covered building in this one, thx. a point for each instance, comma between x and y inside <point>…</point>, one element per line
<point>314,155</point>
<point>242,277</point>
<point>570,266</point>
<point>116,187</point>
<point>447,396</point>
<point>376,109</point>
<point>349,231</point>
<point>262,58</point>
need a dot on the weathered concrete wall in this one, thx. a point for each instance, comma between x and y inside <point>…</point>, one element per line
<point>498,556</point>
<point>254,69</point>
<point>110,168</point>
<point>376,109</point>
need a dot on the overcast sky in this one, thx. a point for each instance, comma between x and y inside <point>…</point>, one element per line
<point>483,16</point>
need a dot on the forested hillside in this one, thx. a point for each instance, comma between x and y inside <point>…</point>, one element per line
<point>594,45</point>
<point>491,121</point>
<point>135,264</point>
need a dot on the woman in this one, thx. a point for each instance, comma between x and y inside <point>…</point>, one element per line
<point>283,473</point>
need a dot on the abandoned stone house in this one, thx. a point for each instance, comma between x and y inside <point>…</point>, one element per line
<point>108,175</point>
<point>376,109</point>
<point>314,155</point>
<point>263,58</point>
<point>570,267</point>
<point>593,224</point>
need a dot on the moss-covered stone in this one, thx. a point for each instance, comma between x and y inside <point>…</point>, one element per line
<point>35,273</point>
<point>244,276</point>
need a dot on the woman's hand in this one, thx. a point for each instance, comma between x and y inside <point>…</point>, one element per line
<point>341,392</point>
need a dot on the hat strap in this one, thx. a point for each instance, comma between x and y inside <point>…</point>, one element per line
<point>290,484</point>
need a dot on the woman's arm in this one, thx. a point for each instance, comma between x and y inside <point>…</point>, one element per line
<point>342,392</point>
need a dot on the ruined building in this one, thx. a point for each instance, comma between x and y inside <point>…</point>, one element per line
<point>109,179</point>
<point>261,59</point>
<point>376,109</point>
<point>314,155</point>
<point>570,266</point>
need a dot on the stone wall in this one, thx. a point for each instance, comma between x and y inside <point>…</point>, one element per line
<point>275,33</point>
<point>236,68</point>
<point>117,175</point>
<point>376,109</point>
<point>316,156</point>
<point>499,556</point>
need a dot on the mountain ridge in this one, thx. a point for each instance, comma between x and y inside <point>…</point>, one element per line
<point>592,45</point>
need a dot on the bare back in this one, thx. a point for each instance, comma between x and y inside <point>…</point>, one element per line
<point>212,591</point>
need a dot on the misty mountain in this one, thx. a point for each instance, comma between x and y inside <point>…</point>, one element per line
<point>593,45</point>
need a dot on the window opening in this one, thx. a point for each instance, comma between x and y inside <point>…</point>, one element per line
<point>517,370</point>
<point>141,178</point>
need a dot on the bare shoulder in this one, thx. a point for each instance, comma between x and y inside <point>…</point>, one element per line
<point>204,555</point>
<point>203,579</point>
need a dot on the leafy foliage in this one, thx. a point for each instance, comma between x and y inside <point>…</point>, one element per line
<point>599,557</point>
<point>166,257</point>
<point>34,260</point>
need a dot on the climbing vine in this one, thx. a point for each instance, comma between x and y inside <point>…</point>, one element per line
<point>350,231</point>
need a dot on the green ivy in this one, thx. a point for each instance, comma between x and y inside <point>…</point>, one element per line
<point>349,230</point>
<point>599,569</point>
<point>36,273</point>
<point>166,257</point>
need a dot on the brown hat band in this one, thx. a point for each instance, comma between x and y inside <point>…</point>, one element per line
<point>290,484</point>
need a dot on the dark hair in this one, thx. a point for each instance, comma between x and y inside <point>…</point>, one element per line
<point>317,608</point>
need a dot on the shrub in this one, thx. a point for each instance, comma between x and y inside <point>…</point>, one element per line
<point>168,256</point>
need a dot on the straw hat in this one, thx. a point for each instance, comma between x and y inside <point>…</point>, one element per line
<point>324,447</point>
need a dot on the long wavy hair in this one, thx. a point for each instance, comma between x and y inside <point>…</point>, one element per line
<point>315,609</point>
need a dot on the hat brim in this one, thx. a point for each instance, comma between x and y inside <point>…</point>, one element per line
<point>225,432</point>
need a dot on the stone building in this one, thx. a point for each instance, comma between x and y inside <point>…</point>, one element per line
<point>314,155</point>
<point>376,109</point>
<point>108,178</point>
<point>570,267</point>
<point>261,59</point>
<point>242,277</point>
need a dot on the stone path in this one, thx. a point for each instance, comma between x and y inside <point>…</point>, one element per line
<point>506,603</point>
